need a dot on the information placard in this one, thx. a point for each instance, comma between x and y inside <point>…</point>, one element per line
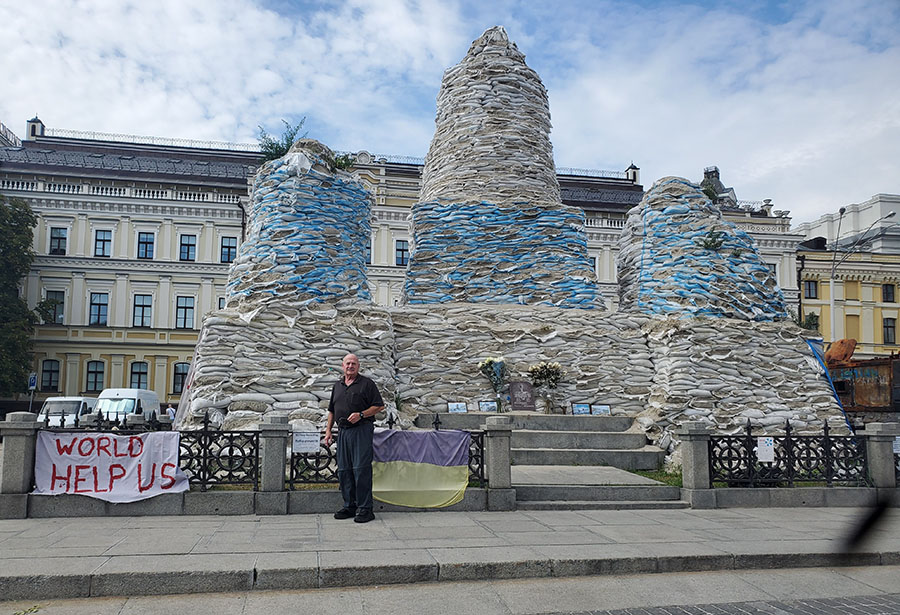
<point>306,442</point>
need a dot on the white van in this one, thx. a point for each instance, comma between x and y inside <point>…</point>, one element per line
<point>61,411</point>
<point>118,403</point>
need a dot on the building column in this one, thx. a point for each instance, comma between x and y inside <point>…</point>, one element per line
<point>124,247</point>
<point>76,316</point>
<point>164,302</point>
<point>72,387</point>
<point>206,300</point>
<point>608,267</point>
<point>119,305</point>
<point>205,244</point>
<point>117,371</point>
<point>161,377</point>
<point>33,288</point>
<point>166,235</point>
<point>80,236</point>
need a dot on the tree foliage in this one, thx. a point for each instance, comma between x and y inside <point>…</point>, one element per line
<point>16,320</point>
<point>272,148</point>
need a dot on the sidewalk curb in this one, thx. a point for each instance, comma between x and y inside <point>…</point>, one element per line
<point>315,576</point>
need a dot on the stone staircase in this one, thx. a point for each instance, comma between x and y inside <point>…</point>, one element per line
<point>576,462</point>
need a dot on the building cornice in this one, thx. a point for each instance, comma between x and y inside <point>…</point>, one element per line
<point>123,265</point>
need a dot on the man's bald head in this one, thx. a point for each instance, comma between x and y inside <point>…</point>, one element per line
<point>350,365</point>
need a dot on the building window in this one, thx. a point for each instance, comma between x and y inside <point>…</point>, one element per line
<point>94,376</point>
<point>103,243</point>
<point>890,330</point>
<point>58,241</point>
<point>810,289</point>
<point>229,249</point>
<point>887,293</point>
<point>99,308</point>
<point>145,245</point>
<point>58,310</point>
<point>184,313</point>
<point>181,372</point>
<point>188,249</point>
<point>401,252</point>
<point>138,375</point>
<point>221,303</point>
<point>142,310</point>
<point>774,269</point>
<point>50,375</point>
<point>369,252</point>
<point>593,260</point>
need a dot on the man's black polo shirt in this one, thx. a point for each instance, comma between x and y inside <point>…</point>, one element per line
<point>359,396</point>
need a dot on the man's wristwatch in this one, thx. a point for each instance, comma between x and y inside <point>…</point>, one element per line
<point>361,417</point>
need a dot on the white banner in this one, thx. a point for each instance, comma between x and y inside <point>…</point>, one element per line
<point>107,466</point>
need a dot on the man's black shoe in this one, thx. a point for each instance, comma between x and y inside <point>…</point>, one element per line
<point>364,517</point>
<point>344,513</point>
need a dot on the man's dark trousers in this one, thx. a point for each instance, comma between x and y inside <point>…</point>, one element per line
<point>354,457</point>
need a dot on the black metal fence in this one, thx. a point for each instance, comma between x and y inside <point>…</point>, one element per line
<point>321,467</point>
<point>832,460</point>
<point>212,457</point>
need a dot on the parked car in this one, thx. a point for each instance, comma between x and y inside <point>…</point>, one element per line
<point>61,411</point>
<point>118,403</point>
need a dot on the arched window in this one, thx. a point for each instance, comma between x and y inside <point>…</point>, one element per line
<point>50,375</point>
<point>181,372</point>
<point>95,372</point>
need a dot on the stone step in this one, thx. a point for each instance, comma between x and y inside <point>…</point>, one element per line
<point>530,438</point>
<point>529,420</point>
<point>601,505</point>
<point>597,493</point>
<point>646,458</point>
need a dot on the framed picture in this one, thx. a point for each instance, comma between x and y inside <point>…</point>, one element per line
<point>600,409</point>
<point>581,408</point>
<point>487,406</point>
<point>457,406</point>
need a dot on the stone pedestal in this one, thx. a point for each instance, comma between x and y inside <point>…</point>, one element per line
<point>498,431</point>
<point>696,485</point>
<point>19,433</point>
<point>274,434</point>
<point>135,421</point>
<point>880,451</point>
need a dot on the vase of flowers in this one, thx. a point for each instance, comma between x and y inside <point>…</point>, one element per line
<point>545,377</point>
<point>494,369</point>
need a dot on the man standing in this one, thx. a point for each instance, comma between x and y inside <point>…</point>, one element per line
<point>355,401</point>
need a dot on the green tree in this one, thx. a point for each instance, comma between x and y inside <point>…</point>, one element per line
<point>272,148</point>
<point>16,320</point>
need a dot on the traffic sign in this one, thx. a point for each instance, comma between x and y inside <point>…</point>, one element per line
<point>32,381</point>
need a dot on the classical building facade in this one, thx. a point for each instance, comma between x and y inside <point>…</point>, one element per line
<point>857,253</point>
<point>135,237</point>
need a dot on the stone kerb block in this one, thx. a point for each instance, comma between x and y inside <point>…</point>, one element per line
<point>498,432</point>
<point>880,451</point>
<point>19,433</point>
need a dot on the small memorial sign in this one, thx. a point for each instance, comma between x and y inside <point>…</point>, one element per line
<point>305,442</point>
<point>521,396</point>
<point>457,406</point>
<point>600,409</point>
<point>581,408</point>
<point>487,406</point>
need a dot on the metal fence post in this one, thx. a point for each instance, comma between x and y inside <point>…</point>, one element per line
<point>880,451</point>
<point>19,432</point>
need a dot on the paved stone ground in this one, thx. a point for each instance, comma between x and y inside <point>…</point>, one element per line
<point>809,591</point>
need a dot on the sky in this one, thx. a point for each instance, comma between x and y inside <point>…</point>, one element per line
<point>795,101</point>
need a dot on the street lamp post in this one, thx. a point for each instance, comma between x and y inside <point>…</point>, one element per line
<point>836,263</point>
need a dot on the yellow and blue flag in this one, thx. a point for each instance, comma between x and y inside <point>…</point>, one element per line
<point>421,469</point>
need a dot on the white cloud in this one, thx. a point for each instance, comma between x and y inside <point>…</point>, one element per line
<point>796,102</point>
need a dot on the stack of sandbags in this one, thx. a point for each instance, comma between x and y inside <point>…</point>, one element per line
<point>679,257</point>
<point>490,226</point>
<point>285,360</point>
<point>307,233</point>
<point>438,348</point>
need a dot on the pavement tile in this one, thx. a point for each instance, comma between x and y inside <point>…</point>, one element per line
<point>345,601</point>
<point>417,533</point>
<point>881,578</point>
<point>618,517</point>
<point>515,526</point>
<point>583,537</point>
<point>654,533</point>
<point>94,606</point>
<point>833,583</point>
<point>434,599</point>
<point>212,603</point>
